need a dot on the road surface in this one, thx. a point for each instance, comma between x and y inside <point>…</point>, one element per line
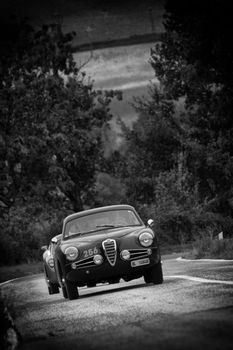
<point>192,309</point>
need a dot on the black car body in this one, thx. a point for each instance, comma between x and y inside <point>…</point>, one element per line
<point>48,265</point>
<point>104,245</point>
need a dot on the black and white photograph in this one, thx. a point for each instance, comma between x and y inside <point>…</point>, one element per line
<point>116,175</point>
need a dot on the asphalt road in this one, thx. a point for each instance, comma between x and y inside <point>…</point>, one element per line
<point>192,309</point>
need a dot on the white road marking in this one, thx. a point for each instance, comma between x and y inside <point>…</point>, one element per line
<point>17,278</point>
<point>198,279</point>
<point>196,260</point>
<point>6,282</point>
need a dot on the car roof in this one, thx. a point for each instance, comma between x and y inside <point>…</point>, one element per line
<point>97,210</point>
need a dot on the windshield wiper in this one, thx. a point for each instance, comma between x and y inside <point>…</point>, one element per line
<point>115,226</point>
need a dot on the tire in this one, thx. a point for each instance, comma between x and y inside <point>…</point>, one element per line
<point>72,290</point>
<point>53,288</point>
<point>61,280</point>
<point>154,275</point>
<point>64,292</point>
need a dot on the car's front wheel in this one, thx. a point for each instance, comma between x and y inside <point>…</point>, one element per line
<point>154,275</point>
<point>72,290</point>
<point>53,288</point>
<point>64,292</point>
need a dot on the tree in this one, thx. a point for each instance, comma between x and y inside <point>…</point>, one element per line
<point>52,118</point>
<point>179,157</point>
<point>195,62</point>
<point>152,145</point>
<point>51,135</point>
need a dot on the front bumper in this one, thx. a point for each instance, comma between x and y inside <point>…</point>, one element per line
<point>87,271</point>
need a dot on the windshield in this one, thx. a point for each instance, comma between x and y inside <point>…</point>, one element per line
<point>102,220</point>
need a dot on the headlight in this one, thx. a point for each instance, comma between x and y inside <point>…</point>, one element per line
<point>51,263</point>
<point>71,253</point>
<point>146,239</point>
<point>98,259</point>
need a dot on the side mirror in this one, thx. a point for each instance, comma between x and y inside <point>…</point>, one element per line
<point>44,248</point>
<point>54,240</point>
<point>150,223</point>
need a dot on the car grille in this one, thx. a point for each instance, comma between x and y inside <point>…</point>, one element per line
<point>139,253</point>
<point>109,247</point>
<point>88,262</point>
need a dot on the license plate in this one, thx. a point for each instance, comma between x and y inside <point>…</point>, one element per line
<point>140,262</point>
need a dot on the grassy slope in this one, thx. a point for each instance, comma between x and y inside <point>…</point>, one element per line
<point>20,270</point>
<point>211,248</point>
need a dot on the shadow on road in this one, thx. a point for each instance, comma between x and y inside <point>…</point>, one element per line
<point>92,292</point>
<point>116,289</point>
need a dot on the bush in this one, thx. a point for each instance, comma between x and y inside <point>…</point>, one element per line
<point>25,229</point>
<point>207,247</point>
<point>178,215</point>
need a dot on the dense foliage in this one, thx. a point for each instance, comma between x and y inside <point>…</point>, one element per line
<point>179,157</point>
<point>51,131</point>
<point>175,163</point>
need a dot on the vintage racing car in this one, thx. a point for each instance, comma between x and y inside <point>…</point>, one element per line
<point>48,264</point>
<point>104,245</point>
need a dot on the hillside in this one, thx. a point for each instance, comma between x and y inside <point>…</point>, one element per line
<point>92,20</point>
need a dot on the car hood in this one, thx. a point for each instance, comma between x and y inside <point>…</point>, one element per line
<point>99,236</point>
